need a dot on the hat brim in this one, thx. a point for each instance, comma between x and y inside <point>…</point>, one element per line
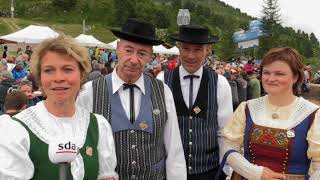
<point>135,38</point>
<point>210,40</point>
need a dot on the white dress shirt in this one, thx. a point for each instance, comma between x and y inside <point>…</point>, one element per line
<point>175,162</point>
<point>15,163</point>
<point>224,99</point>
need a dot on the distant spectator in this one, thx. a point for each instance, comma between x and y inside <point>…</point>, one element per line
<point>25,86</point>
<point>35,84</point>
<point>96,71</point>
<point>3,65</point>
<point>242,85</point>
<point>254,86</point>
<point>28,51</point>
<point>316,78</point>
<point>171,65</point>
<point>19,51</point>
<point>6,82</point>
<point>5,52</point>
<point>18,72</point>
<point>248,67</point>
<point>15,102</point>
<point>234,89</point>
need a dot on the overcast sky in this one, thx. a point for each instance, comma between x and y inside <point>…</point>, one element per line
<point>298,14</point>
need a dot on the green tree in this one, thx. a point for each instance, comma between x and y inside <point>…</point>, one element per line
<point>270,25</point>
<point>64,4</point>
<point>123,10</point>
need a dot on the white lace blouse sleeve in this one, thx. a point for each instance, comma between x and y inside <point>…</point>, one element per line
<point>314,147</point>
<point>106,150</point>
<point>15,163</point>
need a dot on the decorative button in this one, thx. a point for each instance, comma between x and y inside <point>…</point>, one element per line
<point>190,143</point>
<point>133,162</point>
<point>190,117</point>
<point>133,146</point>
<point>190,168</point>
<point>190,155</point>
<point>190,130</point>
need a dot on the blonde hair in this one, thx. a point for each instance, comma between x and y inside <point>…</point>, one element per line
<point>64,45</point>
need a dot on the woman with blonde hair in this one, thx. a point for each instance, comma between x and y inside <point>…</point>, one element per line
<point>61,66</point>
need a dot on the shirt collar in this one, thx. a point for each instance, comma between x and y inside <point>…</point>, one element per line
<point>183,72</point>
<point>117,82</point>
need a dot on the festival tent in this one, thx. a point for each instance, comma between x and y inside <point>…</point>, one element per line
<point>90,41</point>
<point>160,49</point>
<point>30,35</point>
<point>113,44</point>
<point>174,50</point>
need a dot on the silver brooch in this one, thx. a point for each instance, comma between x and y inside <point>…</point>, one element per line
<point>156,111</point>
<point>290,133</point>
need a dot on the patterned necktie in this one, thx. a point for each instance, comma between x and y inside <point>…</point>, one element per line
<point>191,76</point>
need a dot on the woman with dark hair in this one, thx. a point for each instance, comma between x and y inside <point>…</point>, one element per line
<point>279,132</point>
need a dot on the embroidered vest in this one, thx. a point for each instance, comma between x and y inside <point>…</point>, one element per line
<point>139,146</point>
<point>198,127</point>
<point>281,150</point>
<point>45,169</point>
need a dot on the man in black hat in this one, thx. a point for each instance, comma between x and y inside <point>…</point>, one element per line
<point>140,109</point>
<point>203,101</point>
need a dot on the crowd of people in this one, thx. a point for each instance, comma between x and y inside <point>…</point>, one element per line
<point>137,115</point>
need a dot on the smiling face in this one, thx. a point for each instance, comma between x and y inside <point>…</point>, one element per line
<point>192,55</point>
<point>60,77</point>
<point>132,58</point>
<point>278,78</point>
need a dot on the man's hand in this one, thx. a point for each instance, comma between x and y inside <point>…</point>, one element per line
<point>268,174</point>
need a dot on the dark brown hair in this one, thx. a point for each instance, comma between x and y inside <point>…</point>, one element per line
<point>15,100</point>
<point>290,56</point>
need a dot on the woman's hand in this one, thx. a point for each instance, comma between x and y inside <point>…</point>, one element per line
<point>268,174</point>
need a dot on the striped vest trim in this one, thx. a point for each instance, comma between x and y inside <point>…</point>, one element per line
<point>140,153</point>
<point>198,130</point>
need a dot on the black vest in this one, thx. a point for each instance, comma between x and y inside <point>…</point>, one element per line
<point>139,147</point>
<point>198,129</point>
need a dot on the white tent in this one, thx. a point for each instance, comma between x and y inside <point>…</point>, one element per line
<point>113,44</point>
<point>160,49</point>
<point>174,50</point>
<point>31,35</point>
<point>90,41</point>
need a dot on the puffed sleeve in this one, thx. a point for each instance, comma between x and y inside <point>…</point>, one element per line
<point>15,163</point>
<point>106,150</point>
<point>233,134</point>
<point>234,130</point>
<point>313,152</point>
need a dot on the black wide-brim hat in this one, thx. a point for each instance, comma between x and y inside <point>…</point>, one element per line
<point>137,31</point>
<point>194,34</point>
